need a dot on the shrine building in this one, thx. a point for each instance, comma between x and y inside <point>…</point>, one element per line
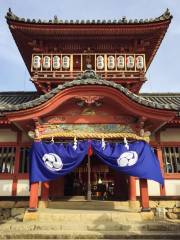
<point>88,76</point>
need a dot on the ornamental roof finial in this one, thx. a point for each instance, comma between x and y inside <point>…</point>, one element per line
<point>55,19</point>
<point>167,14</point>
<point>9,13</point>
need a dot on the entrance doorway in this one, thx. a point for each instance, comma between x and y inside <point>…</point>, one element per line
<point>106,184</point>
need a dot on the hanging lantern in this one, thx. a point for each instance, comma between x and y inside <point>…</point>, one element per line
<point>66,62</point>
<point>56,62</point>
<point>100,62</point>
<point>111,62</point>
<point>120,62</point>
<point>139,62</point>
<point>46,62</point>
<point>130,62</point>
<point>36,62</point>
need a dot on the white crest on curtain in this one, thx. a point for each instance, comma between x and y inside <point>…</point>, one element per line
<point>128,158</point>
<point>52,161</point>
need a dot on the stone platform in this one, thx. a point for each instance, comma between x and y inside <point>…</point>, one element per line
<point>89,220</point>
<point>85,225</point>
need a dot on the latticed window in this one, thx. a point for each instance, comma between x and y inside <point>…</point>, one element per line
<point>7,159</point>
<point>171,156</point>
<point>24,160</point>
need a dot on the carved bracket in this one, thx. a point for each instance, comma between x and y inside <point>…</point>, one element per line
<point>89,100</point>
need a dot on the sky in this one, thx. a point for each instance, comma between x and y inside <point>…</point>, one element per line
<point>163,74</point>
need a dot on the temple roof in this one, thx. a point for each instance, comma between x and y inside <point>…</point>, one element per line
<point>22,100</point>
<point>14,98</point>
<point>37,36</point>
<point>165,16</point>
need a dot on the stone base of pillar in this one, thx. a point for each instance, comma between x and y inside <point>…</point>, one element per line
<point>43,204</point>
<point>145,210</point>
<point>32,209</point>
<point>147,216</point>
<point>30,216</point>
<point>134,204</point>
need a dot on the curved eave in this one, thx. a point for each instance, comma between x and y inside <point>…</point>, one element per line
<point>50,101</point>
<point>88,28</point>
<point>166,16</point>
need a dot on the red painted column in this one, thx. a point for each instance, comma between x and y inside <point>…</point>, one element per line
<point>132,192</point>
<point>144,195</point>
<point>16,164</point>
<point>132,188</point>
<point>45,191</point>
<point>160,157</point>
<point>33,201</point>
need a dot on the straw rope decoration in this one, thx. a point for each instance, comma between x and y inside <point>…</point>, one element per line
<point>96,135</point>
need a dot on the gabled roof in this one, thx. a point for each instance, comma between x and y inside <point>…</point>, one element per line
<point>165,16</point>
<point>13,102</point>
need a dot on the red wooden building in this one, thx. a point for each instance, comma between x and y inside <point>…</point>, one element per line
<point>88,75</point>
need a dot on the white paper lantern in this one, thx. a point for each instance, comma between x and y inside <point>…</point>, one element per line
<point>130,62</point>
<point>120,62</point>
<point>56,62</point>
<point>139,62</point>
<point>111,62</point>
<point>36,62</point>
<point>100,62</point>
<point>66,62</point>
<point>46,62</point>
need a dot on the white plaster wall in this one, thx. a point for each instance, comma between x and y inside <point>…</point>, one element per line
<point>23,188</point>
<point>137,188</point>
<point>153,188</point>
<point>170,134</point>
<point>6,187</point>
<point>172,187</point>
<point>6,135</point>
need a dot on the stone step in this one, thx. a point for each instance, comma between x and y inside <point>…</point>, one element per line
<point>92,205</point>
<point>102,226</point>
<point>57,215</point>
<point>88,235</point>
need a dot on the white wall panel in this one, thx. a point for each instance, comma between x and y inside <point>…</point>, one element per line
<point>23,188</point>
<point>153,188</point>
<point>6,135</point>
<point>6,187</point>
<point>172,187</point>
<point>137,188</point>
<point>170,134</point>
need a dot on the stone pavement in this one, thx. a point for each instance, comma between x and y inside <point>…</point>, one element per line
<point>90,224</point>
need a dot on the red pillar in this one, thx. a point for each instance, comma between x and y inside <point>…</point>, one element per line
<point>33,201</point>
<point>16,164</point>
<point>45,191</point>
<point>160,157</point>
<point>144,195</point>
<point>132,189</point>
